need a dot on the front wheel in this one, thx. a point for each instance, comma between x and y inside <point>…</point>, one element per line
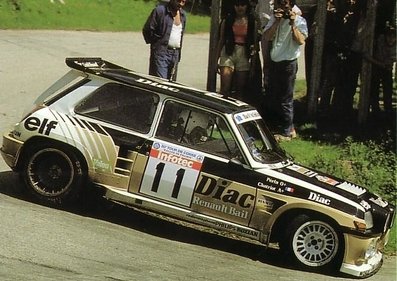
<point>312,243</point>
<point>53,175</point>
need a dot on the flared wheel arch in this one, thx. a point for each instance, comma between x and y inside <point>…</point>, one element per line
<point>278,233</point>
<point>38,143</point>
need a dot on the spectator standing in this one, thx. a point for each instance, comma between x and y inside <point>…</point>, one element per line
<point>236,42</point>
<point>265,46</point>
<point>287,31</point>
<point>164,31</point>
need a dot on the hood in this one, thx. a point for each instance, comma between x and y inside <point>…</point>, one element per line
<point>302,182</point>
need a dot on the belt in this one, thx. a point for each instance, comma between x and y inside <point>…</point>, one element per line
<point>172,48</point>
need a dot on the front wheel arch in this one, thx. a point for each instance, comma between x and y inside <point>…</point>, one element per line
<point>296,236</point>
<point>281,233</point>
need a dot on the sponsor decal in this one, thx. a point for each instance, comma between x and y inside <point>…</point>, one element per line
<point>229,227</point>
<point>44,126</point>
<point>318,198</point>
<point>352,188</point>
<point>101,165</point>
<point>269,204</point>
<point>378,201</point>
<point>365,204</point>
<point>156,84</point>
<point>16,133</point>
<point>327,180</point>
<point>226,209</point>
<point>176,155</point>
<point>302,170</point>
<point>220,190</point>
<point>246,116</point>
<point>266,203</point>
<point>171,173</point>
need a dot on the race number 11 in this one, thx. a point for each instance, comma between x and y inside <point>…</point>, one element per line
<point>169,182</point>
<point>157,178</point>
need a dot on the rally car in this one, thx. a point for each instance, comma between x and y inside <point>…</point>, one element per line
<point>194,155</point>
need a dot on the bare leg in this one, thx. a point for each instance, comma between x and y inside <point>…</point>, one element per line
<point>226,80</point>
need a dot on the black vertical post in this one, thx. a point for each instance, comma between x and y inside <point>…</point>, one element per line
<point>214,38</point>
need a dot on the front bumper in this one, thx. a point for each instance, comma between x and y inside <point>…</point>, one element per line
<point>10,150</point>
<point>363,255</point>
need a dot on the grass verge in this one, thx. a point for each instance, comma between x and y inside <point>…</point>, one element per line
<point>94,15</point>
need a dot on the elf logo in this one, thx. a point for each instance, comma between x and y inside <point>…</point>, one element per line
<point>44,127</point>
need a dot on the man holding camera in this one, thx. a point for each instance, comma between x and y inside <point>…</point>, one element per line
<point>287,31</point>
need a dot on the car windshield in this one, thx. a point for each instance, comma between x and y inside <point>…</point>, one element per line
<point>258,139</point>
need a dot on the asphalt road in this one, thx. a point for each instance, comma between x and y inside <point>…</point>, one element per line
<point>99,241</point>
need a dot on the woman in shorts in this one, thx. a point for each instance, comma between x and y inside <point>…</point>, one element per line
<point>235,45</point>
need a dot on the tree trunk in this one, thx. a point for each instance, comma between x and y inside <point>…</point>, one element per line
<point>366,70</point>
<point>214,38</point>
<point>316,67</point>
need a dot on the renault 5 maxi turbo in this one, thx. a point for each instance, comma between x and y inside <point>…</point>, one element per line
<point>194,155</point>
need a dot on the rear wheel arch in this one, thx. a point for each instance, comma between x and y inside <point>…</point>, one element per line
<point>40,141</point>
<point>53,172</point>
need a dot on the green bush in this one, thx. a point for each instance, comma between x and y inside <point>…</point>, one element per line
<point>364,163</point>
<point>367,163</point>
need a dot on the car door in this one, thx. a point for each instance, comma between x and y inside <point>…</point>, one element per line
<point>189,165</point>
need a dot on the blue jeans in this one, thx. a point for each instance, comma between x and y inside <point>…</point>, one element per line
<point>282,77</point>
<point>164,64</point>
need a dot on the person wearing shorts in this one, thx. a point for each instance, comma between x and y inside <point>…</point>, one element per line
<point>234,49</point>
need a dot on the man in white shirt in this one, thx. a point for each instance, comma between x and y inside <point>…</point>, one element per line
<point>164,31</point>
<point>287,31</point>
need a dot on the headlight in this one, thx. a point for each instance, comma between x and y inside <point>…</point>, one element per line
<point>368,220</point>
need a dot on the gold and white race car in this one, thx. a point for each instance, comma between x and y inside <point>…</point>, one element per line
<point>193,155</point>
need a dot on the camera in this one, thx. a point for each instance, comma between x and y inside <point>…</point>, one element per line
<point>285,14</point>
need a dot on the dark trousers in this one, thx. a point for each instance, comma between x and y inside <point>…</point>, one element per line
<point>164,64</point>
<point>282,77</point>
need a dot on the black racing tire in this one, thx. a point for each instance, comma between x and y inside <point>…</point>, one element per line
<point>313,244</point>
<point>53,175</point>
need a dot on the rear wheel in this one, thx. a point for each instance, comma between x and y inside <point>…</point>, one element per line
<point>53,175</point>
<point>312,243</point>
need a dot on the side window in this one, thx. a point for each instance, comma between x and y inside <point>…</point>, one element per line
<point>121,105</point>
<point>198,129</point>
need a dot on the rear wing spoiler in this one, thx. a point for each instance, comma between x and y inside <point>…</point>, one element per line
<point>94,65</point>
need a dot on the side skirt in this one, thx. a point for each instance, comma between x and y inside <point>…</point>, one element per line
<point>144,203</point>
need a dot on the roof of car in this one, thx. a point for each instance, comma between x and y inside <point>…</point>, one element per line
<point>99,67</point>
